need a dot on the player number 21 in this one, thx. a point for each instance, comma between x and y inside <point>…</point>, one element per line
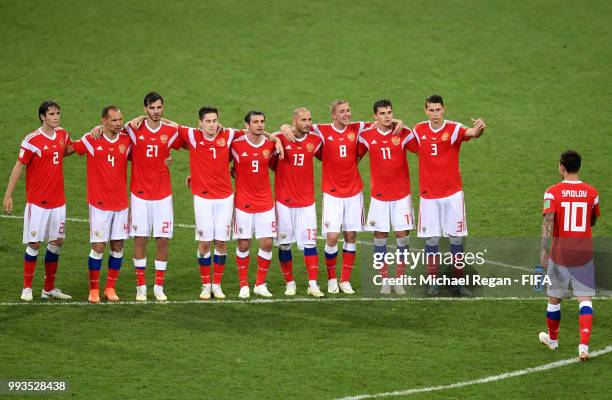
<point>151,150</point>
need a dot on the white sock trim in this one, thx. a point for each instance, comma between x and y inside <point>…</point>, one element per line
<point>31,252</point>
<point>53,248</point>
<point>266,255</point>
<point>95,255</point>
<point>349,246</point>
<point>140,262</point>
<point>331,249</point>
<point>585,303</point>
<point>553,307</point>
<point>160,265</point>
<point>242,254</point>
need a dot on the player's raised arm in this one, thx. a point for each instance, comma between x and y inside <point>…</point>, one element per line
<point>278,145</point>
<point>477,130</point>
<point>8,196</point>
<point>547,229</point>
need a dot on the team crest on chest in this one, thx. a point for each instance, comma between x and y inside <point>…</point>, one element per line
<point>122,148</point>
<point>310,147</point>
<point>445,136</point>
<point>351,137</point>
<point>395,140</point>
<point>163,138</point>
<point>221,142</point>
<point>266,153</point>
<point>62,142</point>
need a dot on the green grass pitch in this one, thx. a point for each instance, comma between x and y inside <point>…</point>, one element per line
<point>537,72</point>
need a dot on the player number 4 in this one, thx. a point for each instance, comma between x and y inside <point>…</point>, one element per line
<point>111,160</point>
<point>570,216</point>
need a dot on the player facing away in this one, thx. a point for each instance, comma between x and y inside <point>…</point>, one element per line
<point>151,192</point>
<point>42,153</point>
<point>213,194</point>
<point>253,202</point>
<point>571,208</point>
<point>441,205</point>
<point>107,160</point>
<point>390,204</point>
<point>295,201</point>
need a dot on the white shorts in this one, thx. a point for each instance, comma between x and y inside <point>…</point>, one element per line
<point>582,280</point>
<point>147,215</point>
<point>342,214</point>
<point>213,218</point>
<point>105,225</point>
<point>383,215</point>
<point>296,224</point>
<point>43,224</point>
<point>262,223</point>
<point>442,217</point>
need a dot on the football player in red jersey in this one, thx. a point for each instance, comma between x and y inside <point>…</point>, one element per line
<point>441,205</point>
<point>253,202</point>
<point>151,192</point>
<point>42,153</point>
<point>571,208</point>
<point>295,201</point>
<point>107,160</point>
<point>390,204</point>
<point>213,194</point>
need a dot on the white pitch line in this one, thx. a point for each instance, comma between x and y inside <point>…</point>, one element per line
<point>500,264</point>
<point>273,301</point>
<point>492,378</point>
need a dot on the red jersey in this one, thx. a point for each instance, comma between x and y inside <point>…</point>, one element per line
<point>150,178</point>
<point>106,170</point>
<point>44,160</point>
<point>573,203</point>
<point>389,175</point>
<point>253,190</point>
<point>294,179</point>
<point>209,162</point>
<point>439,174</point>
<point>339,156</point>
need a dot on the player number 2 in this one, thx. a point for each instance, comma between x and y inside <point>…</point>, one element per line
<point>111,160</point>
<point>343,150</point>
<point>55,157</point>
<point>151,150</point>
<point>434,149</point>
<point>298,160</point>
<point>570,216</point>
<point>386,153</point>
<point>255,165</point>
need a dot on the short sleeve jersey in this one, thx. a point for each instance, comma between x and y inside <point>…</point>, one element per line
<point>107,162</point>
<point>294,179</point>
<point>150,177</point>
<point>389,175</point>
<point>209,162</point>
<point>251,162</point>
<point>573,203</point>
<point>339,159</point>
<point>439,174</point>
<point>44,160</point>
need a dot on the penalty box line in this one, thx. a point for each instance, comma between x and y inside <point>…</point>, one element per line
<point>487,379</point>
<point>212,302</point>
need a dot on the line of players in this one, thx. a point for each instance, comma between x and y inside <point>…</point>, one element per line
<point>147,142</point>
